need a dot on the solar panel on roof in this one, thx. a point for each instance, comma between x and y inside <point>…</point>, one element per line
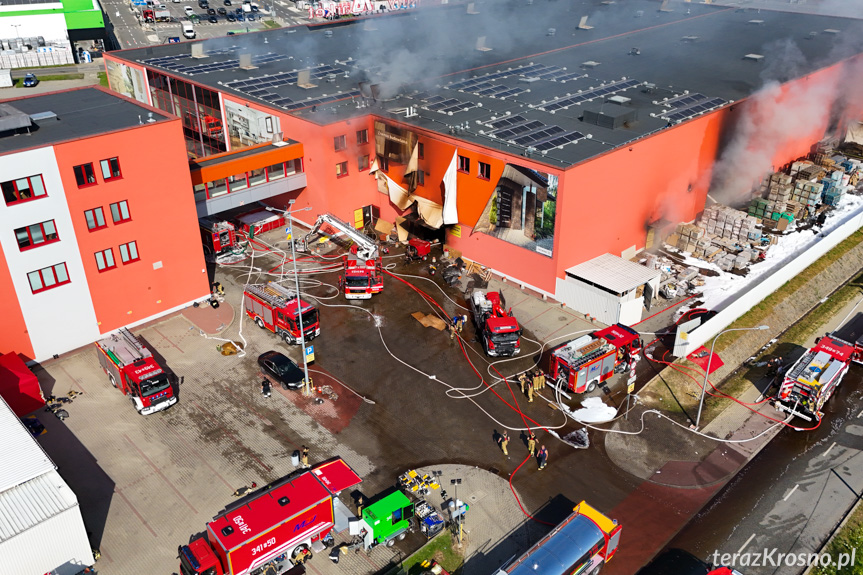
<point>507,133</point>
<point>511,92</point>
<point>558,140</point>
<point>444,104</point>
<point>508,121</point>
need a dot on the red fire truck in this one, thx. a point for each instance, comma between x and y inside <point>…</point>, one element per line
<point>496,326</point>
<point>582,363</point>
<point>132,369</point>
<point>809,383</point>
<point>585,541</point>
<point>218,236</point>
<point>272,527</point>
<point>274,307</point>
<point>363,273</point>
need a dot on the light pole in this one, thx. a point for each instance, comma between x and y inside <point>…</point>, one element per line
<point>710,358</point>
<point>289,213</point>
<point>17,32</point>
<point>458,517</point>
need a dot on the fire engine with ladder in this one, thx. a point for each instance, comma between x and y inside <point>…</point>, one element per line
<point>274,307</point>
<point>132,369</point>
<point>583,543</point>
<point>205,124</point>
<point>582,364</point>
<point>363,272</point>
<point>496,327</point>
<point>809,383</point>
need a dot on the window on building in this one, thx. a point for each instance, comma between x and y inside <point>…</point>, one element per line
<point>275,172</point>
<point>363,163</point>
<point>23,189</point>
<point>484,171</point>
<point>217,188</point>
<point>105,260</point>
<point>48,278</point>
<point>120,212</point>
<point>37,234</point>
<point>384,163</point>
<point>294,166</point>
<point>95,219</point>
<point>340,142</point>
<point>421,178</point>
<point>110,169</point>
<point>129,252</point>
<point>238,182</point>
<point>464,164</point>
<point>84,175</point>
<point>200,192</point>
<point>362,137</point>
<point>341,169</point>
<point>258,176</point>
<point>421,153</point>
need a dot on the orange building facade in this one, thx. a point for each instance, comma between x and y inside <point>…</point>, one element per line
<point>606,204</point>
<point>99,230</point>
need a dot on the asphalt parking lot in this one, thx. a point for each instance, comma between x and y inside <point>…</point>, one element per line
<point>146,484</point>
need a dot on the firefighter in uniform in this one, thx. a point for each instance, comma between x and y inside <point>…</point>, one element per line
<point>304,458</point>
<point>541,380</point>
<point>503,440</point>
<point>536,384</point>
<point>522,379</point>
<point>531,443</point>
<point>530,391</point>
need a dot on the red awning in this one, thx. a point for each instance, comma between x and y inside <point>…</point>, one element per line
<point>701,356</point>
<point>835,348</point>
<point>19,386</point>
<point>617,335</point>
<point>336,475</point>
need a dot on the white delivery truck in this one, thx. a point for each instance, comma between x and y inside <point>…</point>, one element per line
<point>188,30</point>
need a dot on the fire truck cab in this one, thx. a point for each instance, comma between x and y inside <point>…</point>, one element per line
<point>217,236</point>
<point>274,307</point>
<point>581,364</point>
<point>811,381</point>
<point>132,369</point>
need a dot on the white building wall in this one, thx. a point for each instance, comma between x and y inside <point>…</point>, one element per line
<point>585,298</point>
<point>52,27</point>
<point>56,546</point>
<point>62,318</point>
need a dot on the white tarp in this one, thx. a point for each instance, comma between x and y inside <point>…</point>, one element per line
<point>854,134</point>
<point>430,212</point>
<point>450,210</point>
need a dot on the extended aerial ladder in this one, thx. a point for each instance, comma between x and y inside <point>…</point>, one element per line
<point>363,273</point>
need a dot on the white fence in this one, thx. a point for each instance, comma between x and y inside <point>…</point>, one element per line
<point>50,56</point>
<point>746,300</point>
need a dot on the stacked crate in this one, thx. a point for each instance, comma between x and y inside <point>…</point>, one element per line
<point>728,223</point>
<point>757,208</point>
<point>807,192</point>
<point>834,188</point>
<point>688,237</point>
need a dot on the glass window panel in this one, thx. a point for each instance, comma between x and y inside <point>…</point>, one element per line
<point>91,222</point>
<point>24,191</point>
<point>50,230</point>
<point>9,192</point>
<point>38,186</point>
<point>217,188</point>
<point>200,192</point>
<point>115,167</point>
<point>106,170</point>
<point>79,175</point>
<point>100,260</point>
<point>48,277</point>
<point>22,237</point>
<point>36,234</point>
<point>238,182</point>
<point>100,217</point>
<point>133,250</point>
<point>35,281</point>
<point>115,212</point>
<point>258,176</point>
<point>276,171</point>
<point>109,258</point>
<point>124,253</point>
<point>60,270</point>
<point>124,210</point>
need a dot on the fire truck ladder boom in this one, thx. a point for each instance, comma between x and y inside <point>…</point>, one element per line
<point>274,294</point>
<point>367,248</point>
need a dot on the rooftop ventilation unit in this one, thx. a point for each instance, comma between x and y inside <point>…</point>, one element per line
<point>328,33</point>
<point>689,39</point>
<point>831,31</point>
<point>246,62</point>
<point>12,118</point>
<point>664,6</point>
<point>589,64</point>
<point>471,8</point>
<point>756,22</point>
<point>304,79</point>
<point>610,116</point>
<point>550,32</point>
<point>198,50</point>
<point>480,45</point>
<point>582,24</point>
<point>619,100</point>
<point>42,116</point>
<point>754,57</point>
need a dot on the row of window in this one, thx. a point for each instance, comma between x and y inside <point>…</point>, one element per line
<point>363,164</point>
<point>484,171</point>
<point>23,189</point>
<point>105,258</point>
<point>86,176</point>
<point>341,142</point>
<point>46,232</point>
<point>96,217</point>
<point>57,275</point>
<point>245,180</point>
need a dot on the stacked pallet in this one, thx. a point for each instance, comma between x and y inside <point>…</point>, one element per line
<point>688,237</point>
<point>807,192</point>
<point>728,223</point>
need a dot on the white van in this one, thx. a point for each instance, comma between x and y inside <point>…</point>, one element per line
<point>188,30</point>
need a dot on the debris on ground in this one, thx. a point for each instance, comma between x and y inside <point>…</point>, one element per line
<point>430,320</point>
<point>229,348</point>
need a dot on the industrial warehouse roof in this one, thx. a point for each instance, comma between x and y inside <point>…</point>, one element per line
<point>515,75</point>
<point>33,502</point>
<point>71,115</point>
<point>612,273</point>
<point>22,457</point>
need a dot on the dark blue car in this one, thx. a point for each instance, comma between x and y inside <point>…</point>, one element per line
<point>30,80</point>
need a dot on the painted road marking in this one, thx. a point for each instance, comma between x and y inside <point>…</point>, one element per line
<point>829,448</point>
<point>860,414</point>
<point>751,537</point>
<point>793,489</point>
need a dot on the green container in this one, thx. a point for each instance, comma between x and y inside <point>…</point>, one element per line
<point>787,216</point>
<point>775,216</point>
<point>388,517</point>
